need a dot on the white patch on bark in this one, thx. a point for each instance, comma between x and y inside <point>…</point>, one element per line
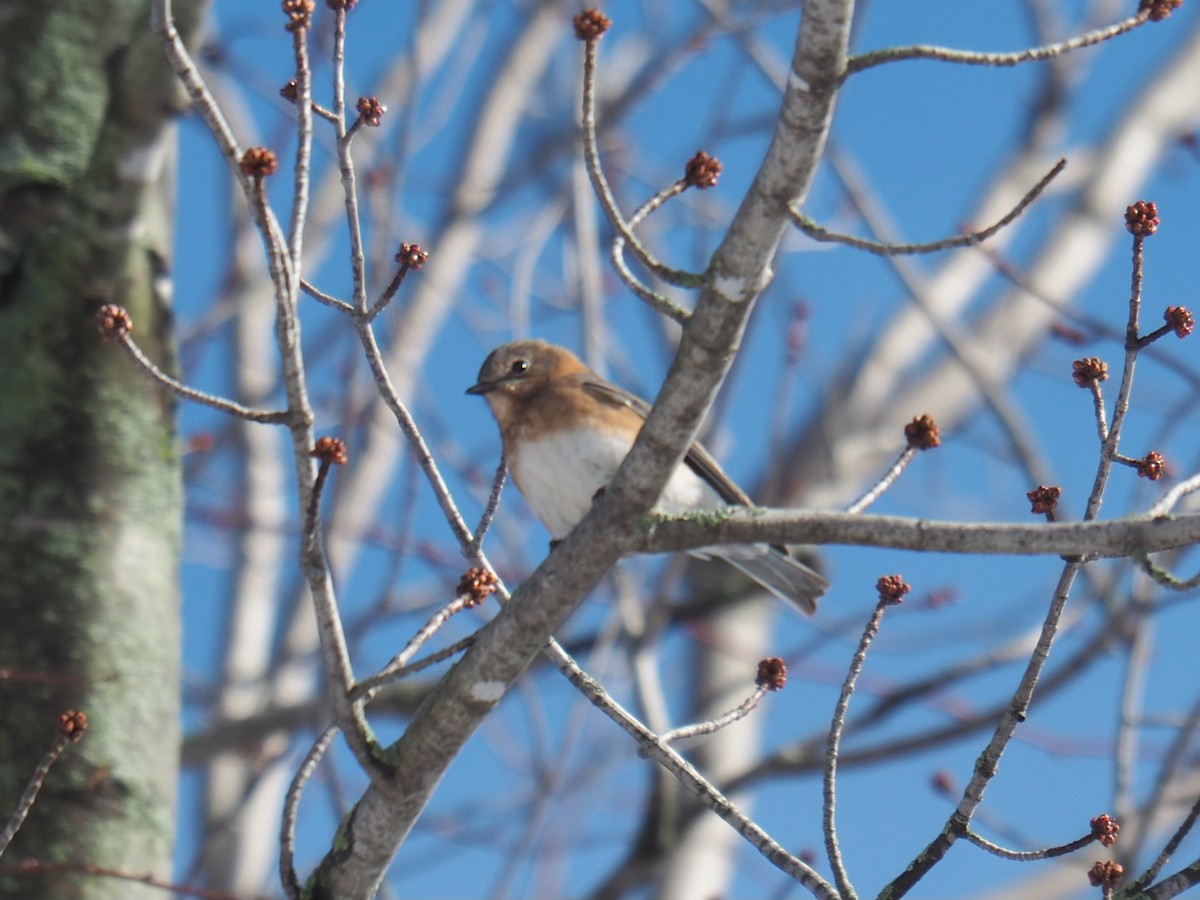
<point>487,691</point>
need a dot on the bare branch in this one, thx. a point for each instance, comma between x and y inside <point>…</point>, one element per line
<point>291,808</point>
<point>817,233</point>
<point>301,173</point>
<point>1192,876</point>
<point>655,300</point>
<point>71,727</point>
<point>829,806</point>
<point>489,509</point>
<point>660,752</point>
<point>327,299</point>
<point>1118,537</point>
<point>368,688</point>
<point>250,169</point>
<point>604,193</point>
<point>740,711</point>
<point>271,417</point>
<point>345,163</point>
<point>973,58</point>
<point>1027,855</point>
<point>889,478</point>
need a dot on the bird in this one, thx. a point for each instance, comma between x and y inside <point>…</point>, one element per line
<point>565,431</point>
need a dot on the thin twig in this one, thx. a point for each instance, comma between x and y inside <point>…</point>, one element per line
<point>740,711</point>
<point>653,204</point>
<point>387,296</point>
<point>273,417</point>
<point>823,235</point>
<point>489,511</point>
<point>1108,450</point>
<point>1168,851</point>
<point>420,449</point>
<point>304,132</point>
<point>988,762</point>
<point>658,302</point>
<point>1028,855</point>
<point>1160,332</point>
<point>291,806</point>
<point>972,58</point>
<point>279,262</point>
<point>61,739</point>
<point>1101,415</point>
<point>375,681</point>
<point>329,300</point>
<point>888,479</point>
<point>369,687</point>
<point>650,746</point>
<point>608,203</point>
<point>346,164</point>
<point>1093,325</point>
<point>312,513</point>
<point>329,452</point>
<point>354,129</point>
<point>34,868</point>
<point>832,746</point>
<point>162,21</point>
<point>1173,496</point>
<point>1164,576</point>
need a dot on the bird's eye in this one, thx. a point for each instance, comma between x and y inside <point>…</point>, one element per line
<point>519,366</point>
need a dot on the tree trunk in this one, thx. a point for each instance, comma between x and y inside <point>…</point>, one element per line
<point>90,493</point>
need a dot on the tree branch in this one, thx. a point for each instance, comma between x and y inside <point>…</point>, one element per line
<point>1117,537</point>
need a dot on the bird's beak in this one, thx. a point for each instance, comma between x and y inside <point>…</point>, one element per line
<point>482,387</point>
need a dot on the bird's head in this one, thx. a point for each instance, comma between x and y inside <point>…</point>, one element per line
<point>517,370</point>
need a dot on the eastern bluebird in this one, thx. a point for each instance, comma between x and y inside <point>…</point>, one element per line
<point>565,432</point>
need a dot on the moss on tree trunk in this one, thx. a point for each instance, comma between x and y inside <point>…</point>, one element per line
<point>90,499</point>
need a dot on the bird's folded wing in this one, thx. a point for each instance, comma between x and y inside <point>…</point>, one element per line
<point>697,458</point>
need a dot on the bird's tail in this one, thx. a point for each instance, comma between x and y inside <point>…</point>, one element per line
<point>776,570</point>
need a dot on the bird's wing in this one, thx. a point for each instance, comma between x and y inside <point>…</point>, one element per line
<point>697,458</point>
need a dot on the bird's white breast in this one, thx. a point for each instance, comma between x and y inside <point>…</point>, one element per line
<point>559,475</point>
